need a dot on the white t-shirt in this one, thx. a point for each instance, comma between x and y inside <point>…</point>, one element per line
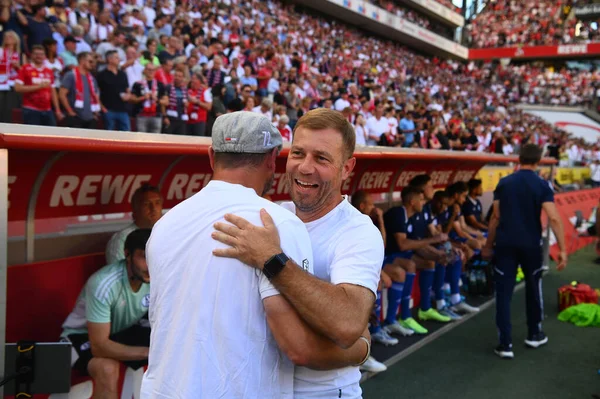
<point>341,104</point>
<point>377,127</point>
<point>210,337</point>
<point>348,249</point>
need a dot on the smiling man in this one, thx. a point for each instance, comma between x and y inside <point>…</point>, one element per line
<point>347,248</point>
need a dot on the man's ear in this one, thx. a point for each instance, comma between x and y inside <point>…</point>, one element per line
<point>348,168</point>
<point>211,157</point>
<point>272,158</point>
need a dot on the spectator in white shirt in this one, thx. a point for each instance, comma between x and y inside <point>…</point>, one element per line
<point>342,102</point>
<point>360,128</point>
<point>265,108</point>
<point>377,125</point>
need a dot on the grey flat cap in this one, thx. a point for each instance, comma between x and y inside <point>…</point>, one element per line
<point>245,132</point>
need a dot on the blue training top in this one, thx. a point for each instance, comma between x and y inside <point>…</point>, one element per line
<point>521,196</point>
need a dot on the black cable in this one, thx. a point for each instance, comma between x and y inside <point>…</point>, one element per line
<point>23,370</point>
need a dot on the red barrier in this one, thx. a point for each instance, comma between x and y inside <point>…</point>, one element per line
<point>567,204</point>
<point>536,52</point>
<point>96,172</point>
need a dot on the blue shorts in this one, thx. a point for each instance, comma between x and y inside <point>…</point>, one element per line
<point>455,237</point>
<point>402,255</point>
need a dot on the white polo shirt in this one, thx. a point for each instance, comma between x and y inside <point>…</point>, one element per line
<point>210,337</point>
<point>348,249</point>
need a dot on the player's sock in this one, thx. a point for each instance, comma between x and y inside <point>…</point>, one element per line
<point>455,271</point>
<point>406,294</point>
<point>377,327</point>
<point>394,299</point>
<point>425,283</point>
<point>438,283</point>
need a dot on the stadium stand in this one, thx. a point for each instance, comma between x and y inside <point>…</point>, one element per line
<point>546,22</point>
<point>294,59</point>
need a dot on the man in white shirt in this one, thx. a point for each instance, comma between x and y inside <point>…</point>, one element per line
<point>347,247</point>
<point>213,319</point>
<point>342,102</point>
<point>146,206</point>
<point>377,125</point>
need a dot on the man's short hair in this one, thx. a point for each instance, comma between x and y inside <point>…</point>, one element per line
<point>323,118</point>
<point>530,154</point>
<point>358,198</point>
<point>473,184</point>
<point>410,192</point>
<point>81,56</point>
<point>420,181</point>
<point>139,193</point>
<point>234,160</point>
<point>440,195</point>
<point>110,53</point>
<point>457,188</point>
<point>137,239</point>
<point>38,47</point>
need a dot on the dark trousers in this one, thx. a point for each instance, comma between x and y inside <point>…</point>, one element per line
<point>41,118</point>
<point>508,260</point>
<point>177,126</point>
<point>77,122</point>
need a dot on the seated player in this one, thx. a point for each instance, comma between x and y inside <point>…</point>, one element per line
<point>442,274</point>
<point>407,239</point>
<point>442,217</point>
<point>104,325</point>
<point>363,201</point>
<point>472,209</point>
<point>147,206</point>
<point>395,268</point>
<point>458,229</point>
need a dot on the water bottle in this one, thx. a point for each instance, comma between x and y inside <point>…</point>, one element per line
<point>473,281</point>
<point>448,247</point>
<point>480,282</point>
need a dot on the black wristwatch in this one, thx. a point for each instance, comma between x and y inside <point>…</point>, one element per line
<point>275,265</point>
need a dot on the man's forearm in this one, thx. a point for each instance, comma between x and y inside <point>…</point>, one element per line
<point>414,245</point>
<point>114,350</point>
<point>326,355</point>
<point>557,228</point>
<point>492,232</point>
<point>327,308</point>
<point>429,253</point>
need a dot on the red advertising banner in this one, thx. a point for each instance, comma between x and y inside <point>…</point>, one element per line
<point>569,205</point>
<point>58,174</point>
<point>534,52</point>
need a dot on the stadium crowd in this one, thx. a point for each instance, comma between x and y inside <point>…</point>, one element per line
<point>419,19</point>
<point>174,69</point>
<point>506,23</point>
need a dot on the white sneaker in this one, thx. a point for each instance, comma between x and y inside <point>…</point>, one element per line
<point>396,328</point>
<point>373,366</point>
<point>383,338</point>
<point>464,307</point>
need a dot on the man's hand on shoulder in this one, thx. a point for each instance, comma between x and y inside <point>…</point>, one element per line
<point>250,244</point>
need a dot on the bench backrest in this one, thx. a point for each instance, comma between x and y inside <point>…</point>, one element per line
<point>41,295</point>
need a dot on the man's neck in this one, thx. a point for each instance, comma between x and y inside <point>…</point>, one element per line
<point>531,168</point>
<point>241,177</point>
<point>317,214</point>
<point>83,71</point>
<point>113,69</point>
<point>410,211</point>
<point>134,283</point>
<point>38,66</point>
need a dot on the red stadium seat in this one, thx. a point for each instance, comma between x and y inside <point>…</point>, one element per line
<point>41,295</point>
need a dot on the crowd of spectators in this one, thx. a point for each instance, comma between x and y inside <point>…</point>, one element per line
<point>419,19</point>
<point>174,69</point>
<point>505,23</point>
